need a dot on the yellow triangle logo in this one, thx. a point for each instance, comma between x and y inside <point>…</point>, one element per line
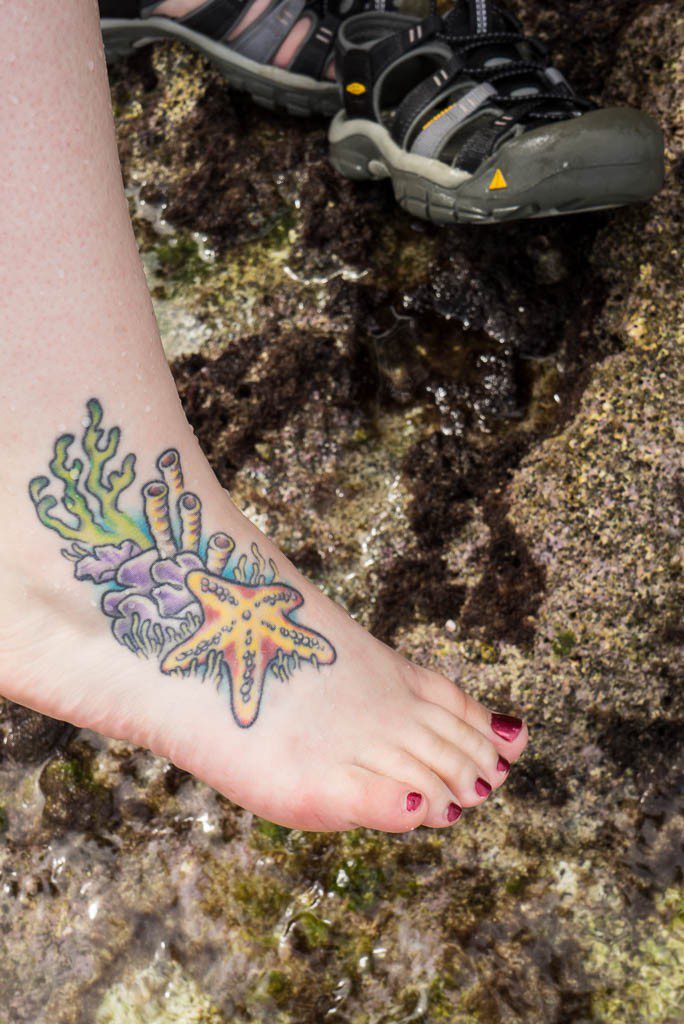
<point>498,181</point>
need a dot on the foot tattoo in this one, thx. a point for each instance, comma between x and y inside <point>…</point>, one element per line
<point>172,593</point>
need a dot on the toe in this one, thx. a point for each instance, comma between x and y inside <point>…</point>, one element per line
<point>450,815</point>
<point>377,801</point>
<point>458,772</point>
<point>468,740</point>
<point>507,733</point>
<point>469,783</point>
<point>397,763</point>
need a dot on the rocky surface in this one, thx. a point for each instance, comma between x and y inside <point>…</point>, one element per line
<point>469,437</point>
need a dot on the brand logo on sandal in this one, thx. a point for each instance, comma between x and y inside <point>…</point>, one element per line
<point>498,181</point>
<point>356,88</point>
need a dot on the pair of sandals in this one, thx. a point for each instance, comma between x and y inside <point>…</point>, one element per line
<point>462,112</point>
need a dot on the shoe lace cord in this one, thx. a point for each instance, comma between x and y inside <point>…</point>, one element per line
<point>468,43</point>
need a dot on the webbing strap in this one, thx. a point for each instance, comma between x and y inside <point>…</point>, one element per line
<point>422,96</point>
<point>433,136</point>
<point>362,65</point>
<point>215,18</point>
<point>480,15</point>
<point>558,81</point>
<point>395,45</point>
<point>119,8</point>
<point>482,142</point>
<point>315,52</point>
<point>264,37</point>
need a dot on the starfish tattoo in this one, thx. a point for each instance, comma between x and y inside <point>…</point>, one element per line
<point>251,628</point>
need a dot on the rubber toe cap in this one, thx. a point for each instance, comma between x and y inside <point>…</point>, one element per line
<point>602,158</point>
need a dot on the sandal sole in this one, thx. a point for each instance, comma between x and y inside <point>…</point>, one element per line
<point>543,173</point>
<point>269,86</point>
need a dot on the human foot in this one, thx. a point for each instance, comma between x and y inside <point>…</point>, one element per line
<point>267,690</point>
<point>280,51</point>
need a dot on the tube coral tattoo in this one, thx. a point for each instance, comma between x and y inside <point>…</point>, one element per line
<point>170,593</point>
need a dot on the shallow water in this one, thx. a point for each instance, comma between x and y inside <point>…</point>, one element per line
<point>444,429</point>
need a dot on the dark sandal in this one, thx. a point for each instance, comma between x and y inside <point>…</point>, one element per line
<point>245,60</point>
<point>466,117</point>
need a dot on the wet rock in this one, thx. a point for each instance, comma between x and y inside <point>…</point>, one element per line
<point>136,810</point>
<point>503,604</point>
<point>27,737</point>
<point>338,216</point>
<point>307,933</point>
<point>73,798</point>
<point>159,993</point>
<point>420,585</point>
<point>174,778</point>
<point>242,406</point>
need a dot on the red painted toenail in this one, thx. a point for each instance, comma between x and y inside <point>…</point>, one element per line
<point>482,788</point>
<point>502,765</point>
<point>454,812</point>
<point>413,801</point>
<point>506,726</point>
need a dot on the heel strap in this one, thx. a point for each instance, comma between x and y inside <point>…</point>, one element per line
<point>361,57</point>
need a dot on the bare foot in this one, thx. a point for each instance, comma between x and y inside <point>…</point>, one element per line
<point>171,621</point>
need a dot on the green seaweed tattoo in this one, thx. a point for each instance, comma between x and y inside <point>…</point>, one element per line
<point>173,594</point>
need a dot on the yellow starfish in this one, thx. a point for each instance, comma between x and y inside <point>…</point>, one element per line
<point>251,628</point>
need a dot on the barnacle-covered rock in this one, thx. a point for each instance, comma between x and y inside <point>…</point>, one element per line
<point>74,799</point>
<point>27,737</point>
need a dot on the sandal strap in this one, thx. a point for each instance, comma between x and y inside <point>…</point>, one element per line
<point>362,63</point>
<point>422,97</point>
<point>214,18</point>
<point>119,8</point>
<point>261,40</point>
<point>435,134</point>
<point>316,50</point>
<point>481,143</point>
<point>480,15</point>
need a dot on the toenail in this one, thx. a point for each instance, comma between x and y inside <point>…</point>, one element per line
<point>454,812</point>
<point>413,801</point>
<point>482,788</point>
<point>502,765</point>
<point>506,726</point>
